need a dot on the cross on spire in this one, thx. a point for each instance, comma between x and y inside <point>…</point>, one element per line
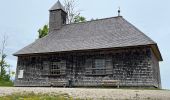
<point>119,11</point>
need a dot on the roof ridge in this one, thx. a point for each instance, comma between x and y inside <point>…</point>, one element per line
<point>94,20</point>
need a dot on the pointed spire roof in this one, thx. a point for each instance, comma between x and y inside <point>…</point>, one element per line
<point>57,6</point>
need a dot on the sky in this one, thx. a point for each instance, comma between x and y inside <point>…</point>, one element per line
<point>20,20</point>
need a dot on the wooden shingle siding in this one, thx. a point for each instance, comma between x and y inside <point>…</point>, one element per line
<point>156,71</point>
<point>131,66</point>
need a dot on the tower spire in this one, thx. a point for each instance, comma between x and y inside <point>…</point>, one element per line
<point>57,6</point>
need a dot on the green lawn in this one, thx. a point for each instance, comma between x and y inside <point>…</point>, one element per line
<point>6,84</point>
<point>33,96</point>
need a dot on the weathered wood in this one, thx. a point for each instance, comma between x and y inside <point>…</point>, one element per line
<point>131,66</point>
<point>111,83</point>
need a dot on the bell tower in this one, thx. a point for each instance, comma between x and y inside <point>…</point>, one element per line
<point>58,17</point>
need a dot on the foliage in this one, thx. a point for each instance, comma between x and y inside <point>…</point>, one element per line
<point>4,65</point>
<point>39,96</point>
<point>6,83</point>
<point>12,73</point>
<point>4,77</point>
<point>79,19</point>
<point>44,31</point>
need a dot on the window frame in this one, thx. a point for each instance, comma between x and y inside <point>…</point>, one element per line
<point>56,67</point>
<point>96,70</point>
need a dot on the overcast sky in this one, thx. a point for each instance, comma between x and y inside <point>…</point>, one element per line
<point>20,20</point>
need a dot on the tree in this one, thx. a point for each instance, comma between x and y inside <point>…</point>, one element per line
<point>70,8</point>
<point>44,31</point>
<point>78,19</point>
<point>2,55</point>
<point>3,64</point>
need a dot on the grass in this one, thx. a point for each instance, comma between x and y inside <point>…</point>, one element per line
<point>54,96</point>
<point>39,96</point>
<point>6,83</point>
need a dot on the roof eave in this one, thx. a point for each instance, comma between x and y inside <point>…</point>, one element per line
<point>156,51</point>
<point>153,46</point>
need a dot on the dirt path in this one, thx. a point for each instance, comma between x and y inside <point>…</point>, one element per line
<point>95,93</point>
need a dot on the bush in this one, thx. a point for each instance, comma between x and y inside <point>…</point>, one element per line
<point>6,83</point>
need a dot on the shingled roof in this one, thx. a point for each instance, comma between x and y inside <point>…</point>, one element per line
<point>98,34</point>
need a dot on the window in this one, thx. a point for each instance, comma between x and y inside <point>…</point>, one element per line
<point>99,63</point>
<point>98,67</point>
<point>33,60</point>
<point>57,68</point>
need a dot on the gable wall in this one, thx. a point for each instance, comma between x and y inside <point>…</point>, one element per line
<point>156,71</point>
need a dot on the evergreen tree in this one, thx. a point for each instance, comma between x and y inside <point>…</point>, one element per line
<point>3,64</point>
